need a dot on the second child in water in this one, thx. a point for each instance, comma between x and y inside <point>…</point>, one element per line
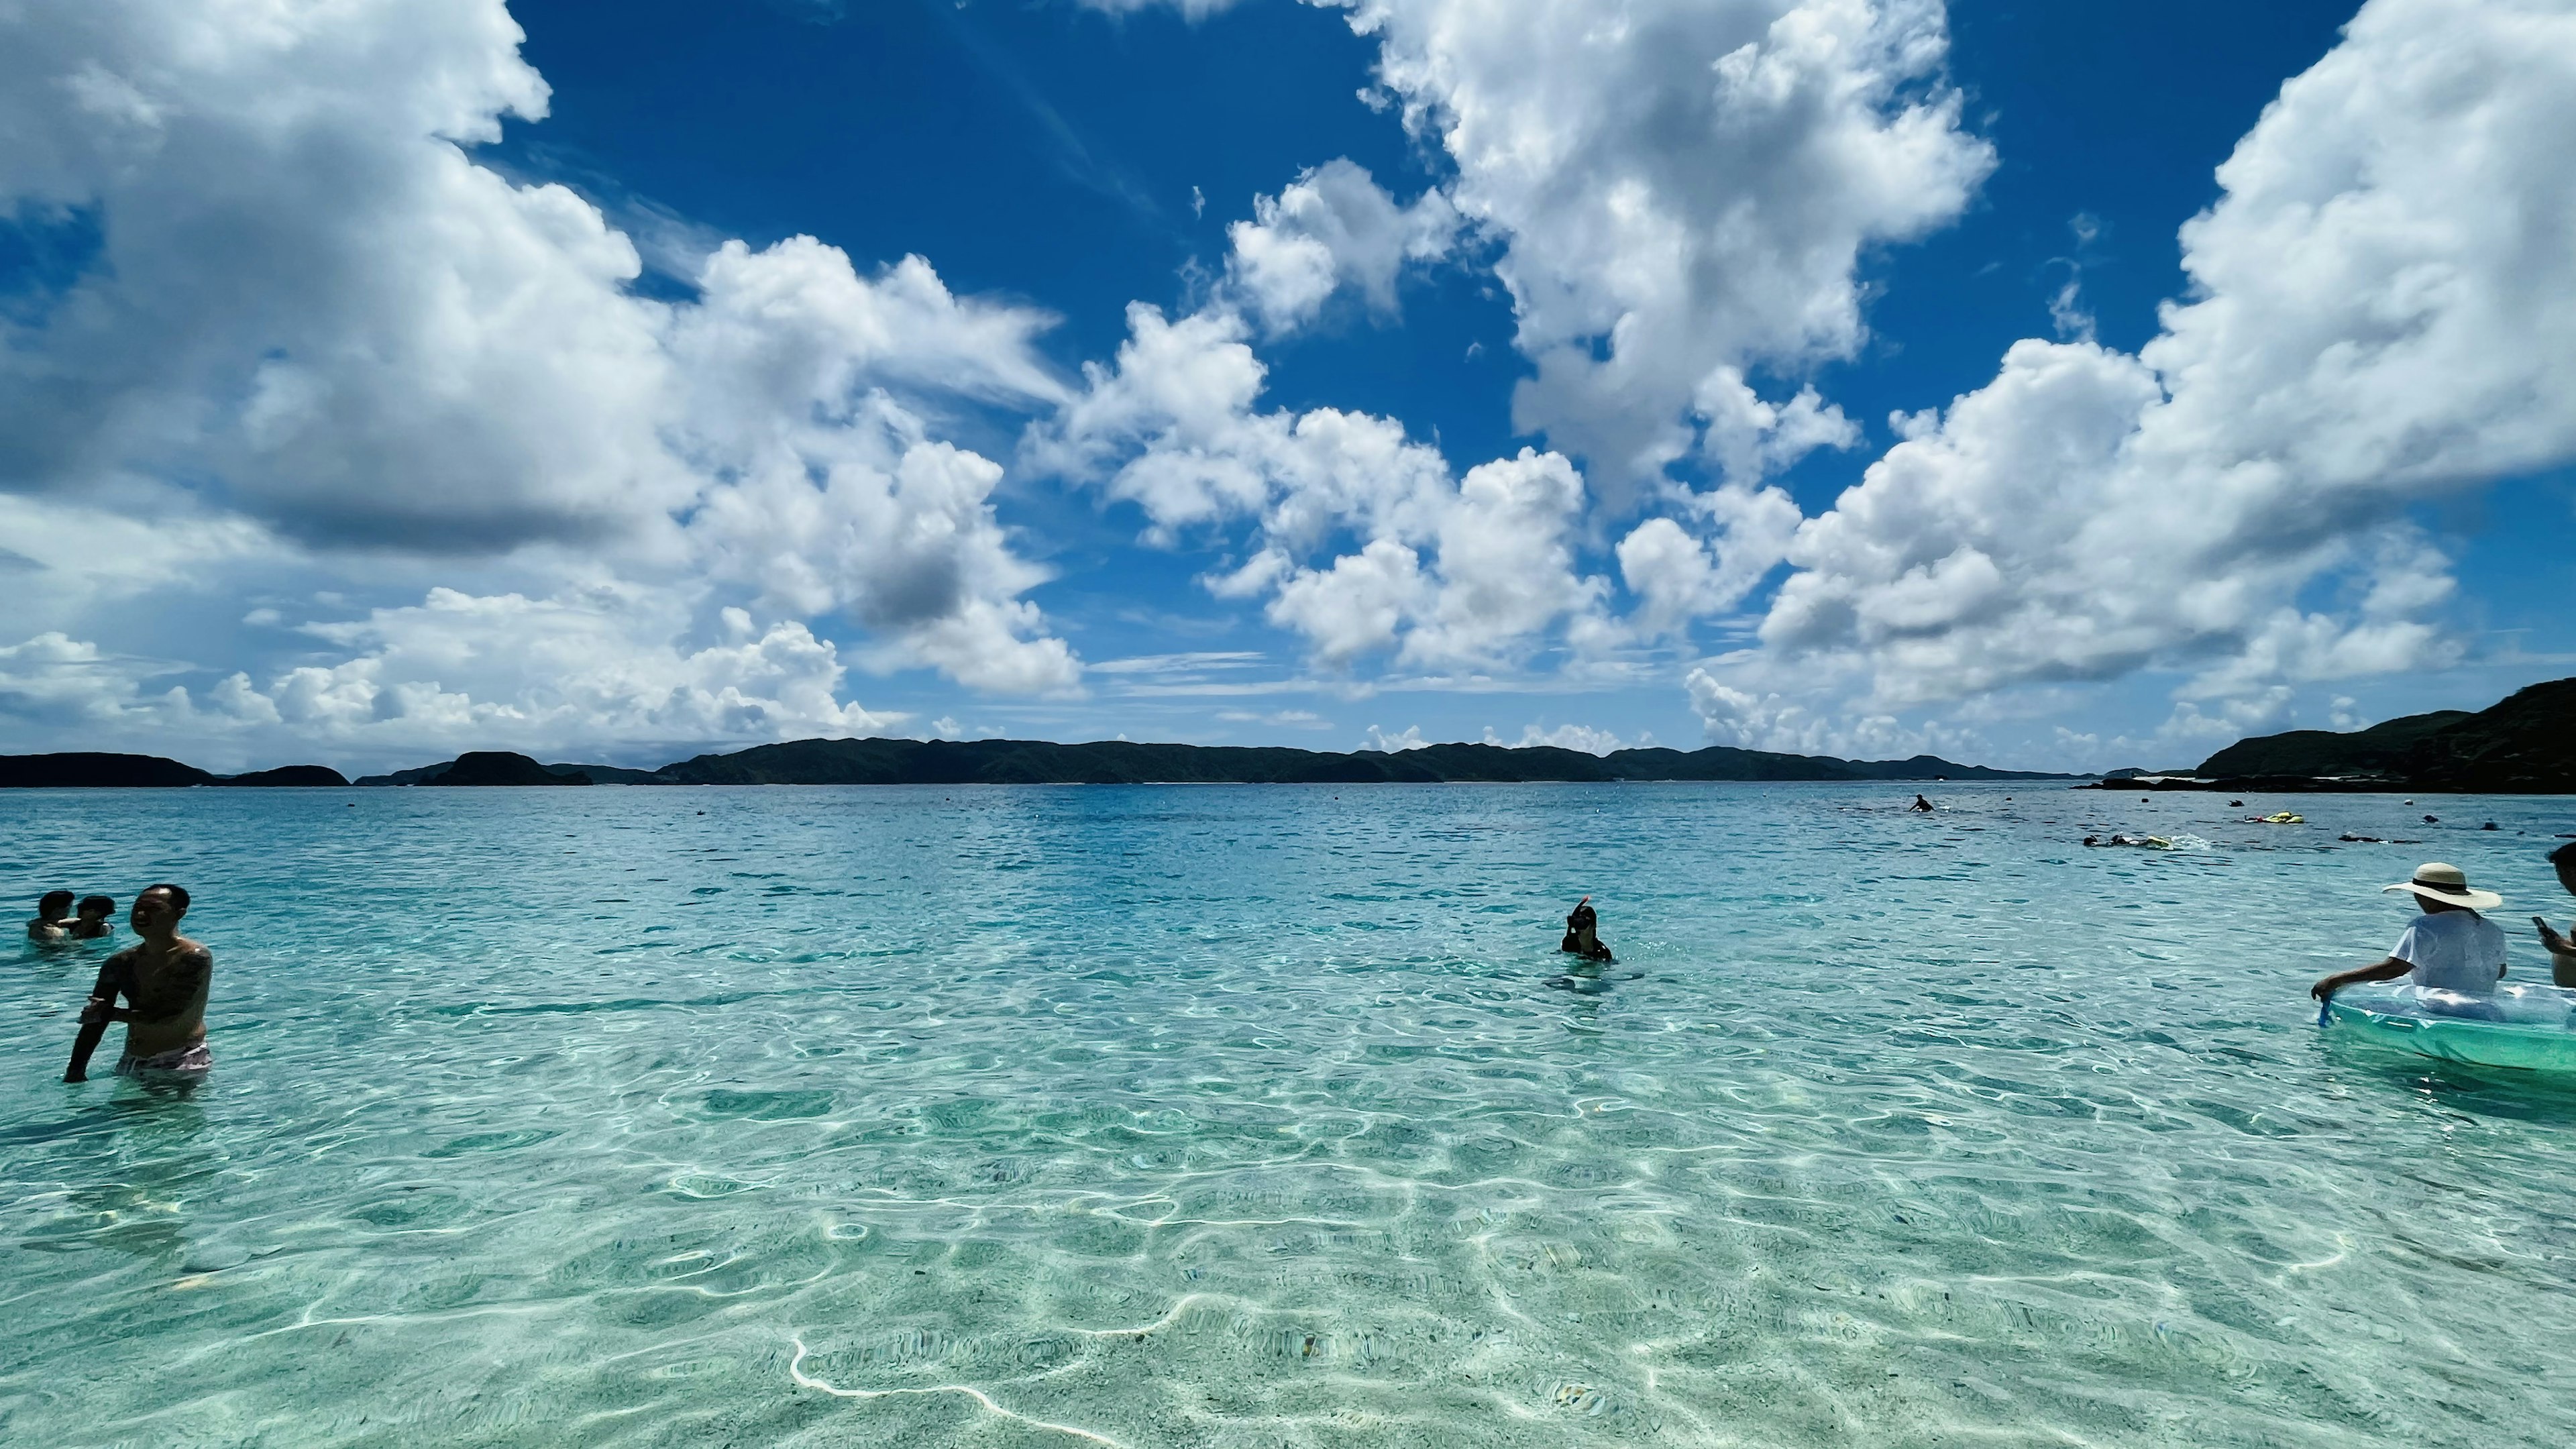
<point>95,921</point>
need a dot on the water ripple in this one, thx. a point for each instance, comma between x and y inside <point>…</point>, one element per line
<point>1230,1117</point>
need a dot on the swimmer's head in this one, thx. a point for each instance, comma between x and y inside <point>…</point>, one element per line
<point>158,908</point>
<point>2564,857</point>
<point>54,906</point>
<point>97,908</point>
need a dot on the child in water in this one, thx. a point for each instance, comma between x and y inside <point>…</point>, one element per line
<point>2561,949</point>
<point>48,922</point>
<point>92,923</point>
<point>1583,942</point>
<point>1583,933</point>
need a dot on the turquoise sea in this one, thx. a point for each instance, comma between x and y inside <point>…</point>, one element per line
<point>1244,1117</point>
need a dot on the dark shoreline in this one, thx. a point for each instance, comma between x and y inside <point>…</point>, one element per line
<point>2306,785</point>
<point>2525,745</point>
<point>1033,762</point>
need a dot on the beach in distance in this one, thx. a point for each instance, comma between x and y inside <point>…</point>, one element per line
<point>1155,1116</point>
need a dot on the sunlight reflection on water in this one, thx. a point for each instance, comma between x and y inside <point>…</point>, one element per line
<point>1236,1116</point>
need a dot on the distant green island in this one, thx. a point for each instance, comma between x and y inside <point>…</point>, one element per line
<point>1037,762</point>
<point>2525,745</point>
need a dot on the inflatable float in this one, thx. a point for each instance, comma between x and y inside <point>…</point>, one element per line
<point>2531,1027</point>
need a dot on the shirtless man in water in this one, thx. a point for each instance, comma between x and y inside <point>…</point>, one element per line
<point>165,978</point>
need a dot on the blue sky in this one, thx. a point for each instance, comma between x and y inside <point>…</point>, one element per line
<point>552,377</point>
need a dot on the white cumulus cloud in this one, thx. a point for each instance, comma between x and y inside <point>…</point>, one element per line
<point>1395,744</point>
<point>54,680</point>
<point>609,668</point>
<point>1333,228</point>
<point>1583,738</point>
<point>1677,577</point>
<point>1683,190</point>
<point>1753,719</point>
<point>2383,309</point>
<point>316,329</point>
<point>1449,573</point>
<point>1679,194</point>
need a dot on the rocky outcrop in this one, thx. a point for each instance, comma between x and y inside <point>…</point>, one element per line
<point>1039,762</point>
<point>88,771</point>
<point>610,774</point>
<point>500,767</point>
<point>2524,746</point>
<point>2378,750</point>
<point>315,776</point>
<point>1118,762</point>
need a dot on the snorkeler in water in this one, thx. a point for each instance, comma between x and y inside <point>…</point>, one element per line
<point>1920,805</point>
<point>1583,941</point>
<point>1583,933</point>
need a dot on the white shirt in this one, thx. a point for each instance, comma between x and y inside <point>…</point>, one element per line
<point>2453,951</point>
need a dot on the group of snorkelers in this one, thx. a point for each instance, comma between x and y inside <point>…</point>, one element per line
<point>163,979</point>
<point>2449,946</point>
<point>57,918</point>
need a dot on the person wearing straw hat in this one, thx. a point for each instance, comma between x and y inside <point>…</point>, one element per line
<point>2450,947</point>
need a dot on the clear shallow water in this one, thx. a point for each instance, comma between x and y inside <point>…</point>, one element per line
<point>1241,1117</point>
